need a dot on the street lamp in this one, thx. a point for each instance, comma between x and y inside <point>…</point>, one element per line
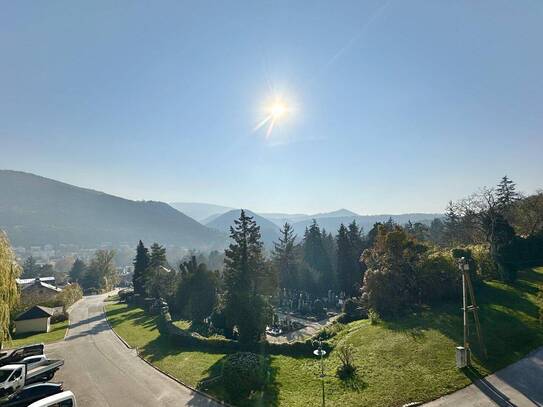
<point>320,352</point>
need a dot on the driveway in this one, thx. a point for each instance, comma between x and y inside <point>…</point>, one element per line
<point>101,371</point>
<point>520,384</point>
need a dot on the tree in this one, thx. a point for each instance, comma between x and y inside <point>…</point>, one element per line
<point>284,258</point>
<point>245,277</point>
<point>141,268</point>
<point>9,271</point>
<point>101,273</point>
<point>31,268</point>
<point>506,193</point>
<point>196,294</point>
<point>349,247</point>
<point>528,215</point>
<point>161,281</point>
<point>317,258</point>
<point>78,270</point>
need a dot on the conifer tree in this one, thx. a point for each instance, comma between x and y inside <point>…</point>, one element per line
<point>284,258</point>
<point>78,270</point>
<point>245,281</point>
<point>506,193</point>
<point>316,257</point>
<point>141,268</point>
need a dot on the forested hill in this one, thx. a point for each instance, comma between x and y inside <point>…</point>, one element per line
<point>331,224</point>
<point>35,211</point>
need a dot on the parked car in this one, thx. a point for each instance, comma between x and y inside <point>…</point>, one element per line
<point>29,394</point>
<point>34,361</point>
<point>10,356</point>
<point>16,376</point>
<point>64,399</point>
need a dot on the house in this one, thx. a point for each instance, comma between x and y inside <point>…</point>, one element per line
<point>38,292</point>
<point>35,319</point>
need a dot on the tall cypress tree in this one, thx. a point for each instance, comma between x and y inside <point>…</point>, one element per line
<point>245,269</point>
<point>506,193</point>
<point>78,270</point>
<point>141,266</point>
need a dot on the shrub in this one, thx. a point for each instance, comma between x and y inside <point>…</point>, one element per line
<point>62,316</point>
<point>69,295</point>
<point>242,373</point>
<point>346,354</point>
<point>374,317</point>
<point>352,311</point>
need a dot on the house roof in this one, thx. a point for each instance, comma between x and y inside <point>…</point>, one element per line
<point>35,312</point>
<point>44,285</point>
<point>24,281</point>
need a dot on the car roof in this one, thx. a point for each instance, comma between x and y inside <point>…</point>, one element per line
<point>48,384</point>
<point>10,367</point>
<point>65,395</point>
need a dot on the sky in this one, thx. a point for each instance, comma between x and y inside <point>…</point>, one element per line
<point>393,107</point>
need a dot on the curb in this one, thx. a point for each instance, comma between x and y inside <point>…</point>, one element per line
<point>69,310</point>
<point>195,390</point>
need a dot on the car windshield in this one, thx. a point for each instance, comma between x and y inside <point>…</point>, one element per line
<point>4,374</point>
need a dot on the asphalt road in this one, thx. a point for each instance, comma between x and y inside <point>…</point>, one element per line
<point>517,385</point>
<point>101,371</point>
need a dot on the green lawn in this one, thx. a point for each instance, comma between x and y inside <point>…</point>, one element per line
<point>56,333</point>
<point>411,359</point>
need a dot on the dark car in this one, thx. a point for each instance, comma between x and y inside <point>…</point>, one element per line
<point>29,394</point>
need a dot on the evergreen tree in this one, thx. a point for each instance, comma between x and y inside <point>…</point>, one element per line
<point>316,257</point>
<point>30,268</point>
<point>284,258</point>
<point>78,270</point>
<point>161,281</point>
<point>506,193</point>
<point>349,268</point>
<point>244,275</point>
<point>141,268</point>
<point>196,294</point>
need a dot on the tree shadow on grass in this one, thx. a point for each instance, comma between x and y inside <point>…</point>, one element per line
<point>354,383</point>
<point>267,396</point>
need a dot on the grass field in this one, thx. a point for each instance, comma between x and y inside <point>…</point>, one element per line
<point>56,333</point>
<point>411,359</point>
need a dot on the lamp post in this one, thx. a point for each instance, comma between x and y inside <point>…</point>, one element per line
<point>320,352</point>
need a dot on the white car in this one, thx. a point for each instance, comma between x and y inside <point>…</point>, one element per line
<point>64,399</point>
<point>34,361</point>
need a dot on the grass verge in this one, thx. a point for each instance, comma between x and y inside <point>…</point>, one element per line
<point>56,333</point>
<point>411,359</point>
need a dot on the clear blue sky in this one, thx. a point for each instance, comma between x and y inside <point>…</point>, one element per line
<point>400,106</point>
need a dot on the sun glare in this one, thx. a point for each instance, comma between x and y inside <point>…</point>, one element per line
<point>274,111</point>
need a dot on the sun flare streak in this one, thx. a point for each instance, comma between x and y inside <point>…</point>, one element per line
<point>274,112</point>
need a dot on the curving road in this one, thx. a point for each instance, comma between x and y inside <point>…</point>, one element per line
<point>101,371</point>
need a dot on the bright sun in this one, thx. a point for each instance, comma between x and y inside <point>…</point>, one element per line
<point>274,111</point>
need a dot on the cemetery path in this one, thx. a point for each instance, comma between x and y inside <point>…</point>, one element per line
<point>310,329</point>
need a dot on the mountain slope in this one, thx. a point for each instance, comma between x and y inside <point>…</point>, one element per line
<point>268,230</point>
<point>200,211</point>
<point>35,210</point>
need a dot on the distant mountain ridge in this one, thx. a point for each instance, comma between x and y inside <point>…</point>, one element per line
<point>35,211</point>
<point>268,229</point>
<point>200,211</point>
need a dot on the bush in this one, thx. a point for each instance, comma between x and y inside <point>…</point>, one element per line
<point>346,354</point>
<point>352,311</point>
<point>374,317</point>
<point>242,373</point>
<point>63,316</point>
<point>69,295</point>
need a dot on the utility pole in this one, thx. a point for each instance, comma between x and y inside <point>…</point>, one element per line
<point>467,289</point>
